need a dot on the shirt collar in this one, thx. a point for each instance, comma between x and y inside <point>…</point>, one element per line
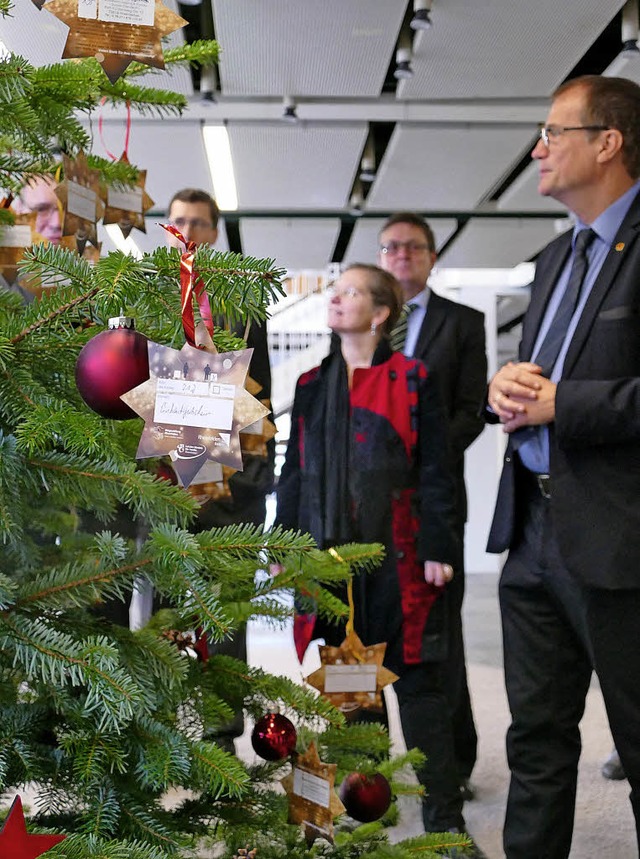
<point>421,299</point>
<point>607,224</point>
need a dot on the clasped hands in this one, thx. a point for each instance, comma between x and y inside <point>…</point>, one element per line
<point>521,396</point>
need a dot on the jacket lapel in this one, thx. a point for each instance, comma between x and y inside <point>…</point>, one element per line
<point>433,322</point>
<point>624,240</point>
<point>544,285</point>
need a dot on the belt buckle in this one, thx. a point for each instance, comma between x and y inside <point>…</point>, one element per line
<point>544,485</point>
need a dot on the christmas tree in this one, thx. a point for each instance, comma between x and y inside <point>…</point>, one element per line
<point>104,721</point>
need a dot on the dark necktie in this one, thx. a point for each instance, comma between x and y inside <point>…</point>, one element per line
<point>555,336</point>
<point>399,333</point>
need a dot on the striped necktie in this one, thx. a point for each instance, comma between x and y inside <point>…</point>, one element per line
<point>399,333</point>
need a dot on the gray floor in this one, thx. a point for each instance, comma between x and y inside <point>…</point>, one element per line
<point>604,824</point>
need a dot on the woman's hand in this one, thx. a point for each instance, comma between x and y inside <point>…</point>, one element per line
<point>437,574</point>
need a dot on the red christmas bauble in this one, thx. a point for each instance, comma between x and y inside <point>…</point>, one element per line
<point>273,737</point>
<point>110,364</point>
<point>366,797</point>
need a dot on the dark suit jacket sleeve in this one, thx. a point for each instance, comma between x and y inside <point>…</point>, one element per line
<point>288,490</point>
<point>466,423</point>
<point>597,412</point>
<point>437,540</point>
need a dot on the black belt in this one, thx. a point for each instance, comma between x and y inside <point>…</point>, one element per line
<point>541,482</point>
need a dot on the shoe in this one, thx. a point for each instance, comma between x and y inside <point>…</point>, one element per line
<point>612,767</point>
<point>473,852</point>
<point>467,790</point>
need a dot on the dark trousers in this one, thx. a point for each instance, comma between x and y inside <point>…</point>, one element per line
<point>426,724</point>
<point>465,738</point>
<point>614,625</point>
<point>548,666</point>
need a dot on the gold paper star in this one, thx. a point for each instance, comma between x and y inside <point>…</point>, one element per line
<point>207,390</point>
<point>126,207</point>
<point>80,198</point>
<point>352,676</point>
<point>115,45</point>
<point>313,801</point>
<point>14,239</point>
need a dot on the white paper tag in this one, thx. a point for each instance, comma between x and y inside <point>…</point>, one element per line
<point>311,787</point>
<point>129,200</point>
<point>189,403</point>
<point>88,9</point>
<point>81,201</point>
<point>350,678</point>
<point>16,236</point>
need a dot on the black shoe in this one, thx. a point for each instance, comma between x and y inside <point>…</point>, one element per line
<point>467,790</point>
<point>612,768</point>
<point>473,852</point>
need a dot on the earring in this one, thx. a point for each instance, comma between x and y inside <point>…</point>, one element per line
<point>374,328</point>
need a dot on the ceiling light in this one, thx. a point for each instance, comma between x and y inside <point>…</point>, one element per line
<point>208,83</point>
<point>630,29</point>
<point>403,64</point>
<point>356,201</point>
<point>368,163</point>
<point>216,143</point>
<point>289,110</point>
<point>421,15</point>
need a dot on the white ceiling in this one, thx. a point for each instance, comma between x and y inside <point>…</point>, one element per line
<point>454,132</point>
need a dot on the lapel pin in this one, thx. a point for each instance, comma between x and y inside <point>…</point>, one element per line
<point>620,246</point>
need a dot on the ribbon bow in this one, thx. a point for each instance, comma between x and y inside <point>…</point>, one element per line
<point>191,284</point>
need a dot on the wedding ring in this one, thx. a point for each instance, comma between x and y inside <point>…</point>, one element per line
<point>447,569</point>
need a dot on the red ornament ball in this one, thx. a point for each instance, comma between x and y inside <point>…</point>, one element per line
<point>273,737</point>
<point>112,363</point>
<point>365,797</point>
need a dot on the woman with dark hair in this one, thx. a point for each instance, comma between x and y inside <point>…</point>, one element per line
<point>367,461</point>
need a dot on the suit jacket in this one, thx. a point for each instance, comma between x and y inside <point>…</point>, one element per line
<point>451,343</point>
<point>595,439</point>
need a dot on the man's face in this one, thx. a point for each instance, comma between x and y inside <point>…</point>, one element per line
<point>39,197</point>
<point>568,167</point>
<point>407,257</point>
<point>194,222</point>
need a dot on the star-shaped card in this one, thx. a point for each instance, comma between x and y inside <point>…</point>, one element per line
<point>14,239</point>
<point>116,32</point>
<point>15,841</point>
<point>125,206</point>
<point>313,801</point>
<point>194,405</point>
<point>80,197</point>
<point>352,676</point>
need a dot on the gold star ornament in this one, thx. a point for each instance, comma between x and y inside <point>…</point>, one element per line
<point>116,32</point>
<point>313,801</point>
<point>126,205</point>
<point>352,676</point>
<point>194,405</point>
<point>81,201</point>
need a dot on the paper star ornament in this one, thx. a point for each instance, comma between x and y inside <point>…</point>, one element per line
<point>15,841</point>
<point>80,198</point>
<point>115,33</point>
<point>194,405</point>
<point>126,206</point>
<point>313,801</point>
<point>352,676</point>
<point>14,239</point>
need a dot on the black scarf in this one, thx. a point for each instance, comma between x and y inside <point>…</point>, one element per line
<point>338,525</point>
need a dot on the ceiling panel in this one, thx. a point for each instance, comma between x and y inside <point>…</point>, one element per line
<point>363,246</point>
<point>495,49</point>
<point>326,47</point>
<point>498,242</point>
<point>294,244</point>
<point>444,168</point>
<point>306,166</point>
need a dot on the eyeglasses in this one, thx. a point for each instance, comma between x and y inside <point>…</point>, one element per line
<point>347,292</point>
<point>549,133</point>
<point>392,248</point>
<point>192,223</point>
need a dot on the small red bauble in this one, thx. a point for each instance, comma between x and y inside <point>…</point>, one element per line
<point>273,737</point>
<point>366,797</point>
<point>111,364</point>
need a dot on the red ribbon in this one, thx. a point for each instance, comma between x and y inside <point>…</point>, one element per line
<point>191,284</point>
<point>127,133</point>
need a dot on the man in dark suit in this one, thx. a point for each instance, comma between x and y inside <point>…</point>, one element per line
<point>567,507</point>
<point>450,339</point>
